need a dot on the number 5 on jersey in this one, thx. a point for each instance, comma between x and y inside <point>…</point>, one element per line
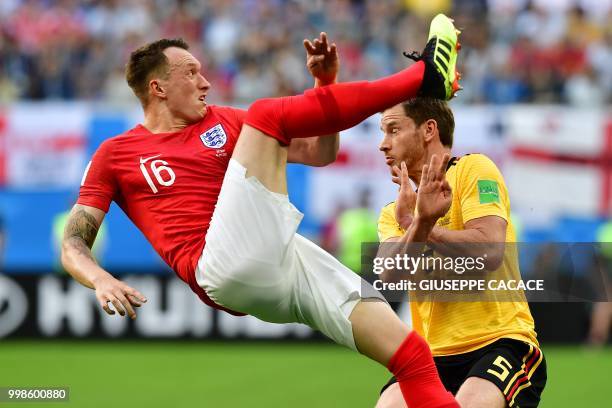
<point>157,167</point>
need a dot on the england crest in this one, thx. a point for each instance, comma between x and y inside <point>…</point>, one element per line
<point>214,137</point>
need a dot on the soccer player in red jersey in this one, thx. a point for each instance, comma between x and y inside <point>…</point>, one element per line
<point>207,186</point>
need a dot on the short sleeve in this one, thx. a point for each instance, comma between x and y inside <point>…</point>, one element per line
<point>387,225</point>
<point>98,186</point>
<point>240,115</point>
<point>483,191</point>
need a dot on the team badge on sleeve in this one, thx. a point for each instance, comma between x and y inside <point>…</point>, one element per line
<point>214,137</point>
<point>488,191</point>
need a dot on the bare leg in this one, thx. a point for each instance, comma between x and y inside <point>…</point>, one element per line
<point>480,393</point>
<point>474,393</point>
<point>263,158</point>
<point>391,398</point>
<point>377,330</point>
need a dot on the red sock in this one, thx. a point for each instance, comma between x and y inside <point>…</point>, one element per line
<point>332,108</point>
<point>415,371</point>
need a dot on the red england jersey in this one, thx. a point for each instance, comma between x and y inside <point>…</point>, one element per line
<point>167,184</point>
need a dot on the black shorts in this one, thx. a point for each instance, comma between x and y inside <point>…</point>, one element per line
<point>517,368</point>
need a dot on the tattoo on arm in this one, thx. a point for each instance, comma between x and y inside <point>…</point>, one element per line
<point>81,230</point>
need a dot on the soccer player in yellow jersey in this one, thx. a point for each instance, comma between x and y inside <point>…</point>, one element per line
<point>486,353</point>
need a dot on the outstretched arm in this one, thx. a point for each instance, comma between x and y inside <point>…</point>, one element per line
<point>323,64</point>
<point>80,233</point>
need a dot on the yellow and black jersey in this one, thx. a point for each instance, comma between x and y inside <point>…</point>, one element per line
<point>460,327</point>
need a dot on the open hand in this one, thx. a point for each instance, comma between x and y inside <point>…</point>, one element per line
<point>123,297</point>
<point>322,59</point>
<point>434,196</point>
<point>406,197</point>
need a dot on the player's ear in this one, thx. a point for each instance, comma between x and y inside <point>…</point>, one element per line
<point>430,126</point>
<point>156,88</point>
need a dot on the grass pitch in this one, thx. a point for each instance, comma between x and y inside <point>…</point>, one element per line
<point>204,374</point>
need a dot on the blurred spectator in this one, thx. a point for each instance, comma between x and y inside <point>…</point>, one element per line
<point>601,319</point>
<point>514,50</point>
<point>584,91</point>
<point>355,227</point>
<point>2,243</point>
<point>601,315</point>
<point>329,230</point>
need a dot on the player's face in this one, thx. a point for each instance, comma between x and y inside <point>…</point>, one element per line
<point>403,140</point>
<point>185,87</point>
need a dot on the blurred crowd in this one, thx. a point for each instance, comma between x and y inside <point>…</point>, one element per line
<point>514,51</point>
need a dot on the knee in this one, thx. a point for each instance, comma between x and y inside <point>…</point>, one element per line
<point>391,398</point>
<point>477,392</point>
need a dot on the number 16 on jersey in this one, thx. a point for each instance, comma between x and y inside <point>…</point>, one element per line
<point>157,167</point>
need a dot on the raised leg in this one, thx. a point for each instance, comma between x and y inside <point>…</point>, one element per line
<point>263,157</point>
<point>267,276</point>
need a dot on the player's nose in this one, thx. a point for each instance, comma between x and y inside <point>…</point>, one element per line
<point>384,145</point>
<point>203,82</point>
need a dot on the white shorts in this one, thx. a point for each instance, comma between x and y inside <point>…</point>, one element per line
<point>254,262</point>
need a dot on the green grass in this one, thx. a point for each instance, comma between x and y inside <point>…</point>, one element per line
<point>578,377</point>
<point>185,374</point>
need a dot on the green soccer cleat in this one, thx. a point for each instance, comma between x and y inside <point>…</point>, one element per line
<point>441,79</point>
